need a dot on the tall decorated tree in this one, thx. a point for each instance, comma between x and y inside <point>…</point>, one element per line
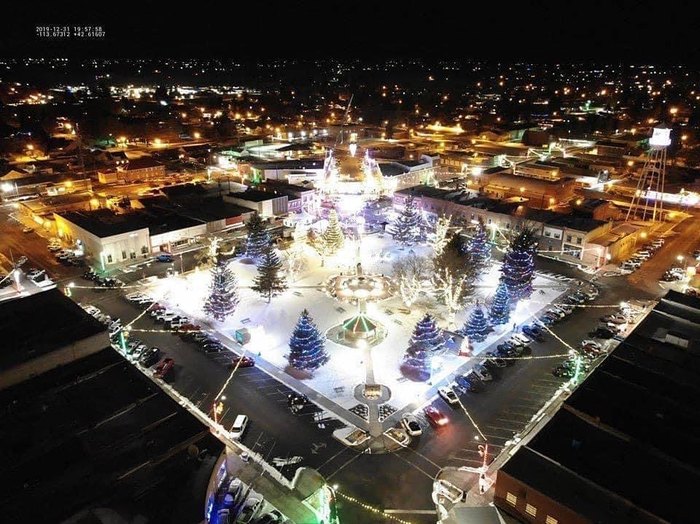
<point>333,236</point>
<point>477,325</point>
<point>479,247</point>
<point>307,346</point>
<point>258,237</point>
<point>427,331</point>
<point>500,306</point>
<point>407,227</point>
<point>417,361</point>
<point>269,282</point>
<point>518,270</point>
<point>223,293</point>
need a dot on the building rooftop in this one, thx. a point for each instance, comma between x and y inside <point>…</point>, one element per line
<point>39,324</point>
<point>621,448</point>
<point>255,195</point>
<point>143,162</point>
<point>577,222</point>
<point>96,433</point>
<point>302,163</point>
<point>105,223</point>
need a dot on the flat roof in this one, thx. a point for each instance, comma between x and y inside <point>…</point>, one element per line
<point>577,222</point>
<point>255,195</point>
<point>302,163</point>
<point>39,324</point>
<point>621,448</point>
<point>96,433</point>
<point>105,223</point>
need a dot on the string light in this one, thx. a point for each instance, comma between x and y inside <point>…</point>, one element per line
<point>371,508</point>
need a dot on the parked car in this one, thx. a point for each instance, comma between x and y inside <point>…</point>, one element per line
<point>163,368</point>
<point>411,425</point>
<point>535,335</point>
<point>469,382</point>
<point>482,373</point>
<point>448,395</point>
<point>241,362</point>
<point>615,319</point>
<point>603,332</point>
<point>562,372</point>
<point>435,416</point>
<point>239,426</point>
<point>297,401</point>
<point>591,343</point>
<point>150,357</point>
<point>164,257</point>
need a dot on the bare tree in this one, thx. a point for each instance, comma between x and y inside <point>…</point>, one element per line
<point>454,274</point>
<point>410,272</point>
<point>439,238</point>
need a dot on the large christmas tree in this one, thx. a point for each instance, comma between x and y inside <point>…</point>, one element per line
<point>333,235</point>
<point>479,247</point>
<point>223,293</point>
<point>269,281</point>
<point>307,345</point>
<point>500,306</point>
<point>407,227</point>
<point>477,325</point>
<point>417,361</point>
<point>426,330</point>
<point>258,237</point>
<point>518,269</point>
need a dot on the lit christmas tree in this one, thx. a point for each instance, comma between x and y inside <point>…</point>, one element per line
<point>333,237</point>
<point>479,247</point>
<point>407,228</point>
<point>258,237</point>
<point>518,269</point>
<point>417,362</point>
<point>269,282</point>
<point>307,345</point>
<point>223,293</point>
<point>500,306</point>
<point>477,325</point>
<point>426,330</point>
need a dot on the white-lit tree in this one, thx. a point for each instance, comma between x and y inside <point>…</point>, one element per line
<point>439,238</point>
<point>410,272</point>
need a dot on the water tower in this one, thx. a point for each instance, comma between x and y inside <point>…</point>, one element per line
<point>650,186</point>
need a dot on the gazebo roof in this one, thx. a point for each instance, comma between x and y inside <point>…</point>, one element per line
<point>359,324</point>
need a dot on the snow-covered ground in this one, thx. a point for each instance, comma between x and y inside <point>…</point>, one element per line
<point>272,324</point>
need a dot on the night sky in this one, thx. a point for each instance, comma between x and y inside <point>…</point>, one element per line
<point>634,31</point>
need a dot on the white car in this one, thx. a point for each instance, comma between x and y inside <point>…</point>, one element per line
<point>444,488</point>
<point>591,343</point>
<point>448,395</point>
<point>410,423</point>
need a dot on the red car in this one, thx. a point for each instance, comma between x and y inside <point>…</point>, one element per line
<point>163,367</point>
<point>435,416</point>
<point>189,327</point>
<point>241,362</point>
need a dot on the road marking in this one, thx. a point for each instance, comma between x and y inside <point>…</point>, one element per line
<point>326,462</point>
<point>357,455</point>
<point>431,477</point>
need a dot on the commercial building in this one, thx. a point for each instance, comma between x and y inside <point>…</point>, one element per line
<point>264,203</point>
<point>95,440</point>
<point>44,331</point>
<point>299,198</point>
<point>293,171</point>
<point>620,449</point>
<point>401,174</point>
<point>573,237</point>
<point>136,169</point>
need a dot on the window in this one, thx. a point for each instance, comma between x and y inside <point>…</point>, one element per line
<point>511,499</point>
<point>550,520</point>
<point>123,255</point>
<point>144,250</point>
<point>489,221</point>
<point>568,238</point>
<point>132,255</point>
<point>530,510</point>
<point>547,234</point>
<point>578,241</point>
<point>109,258</point>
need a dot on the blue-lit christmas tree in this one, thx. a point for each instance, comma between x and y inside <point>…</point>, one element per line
<point>500,306</point>
<point>477,325</point>
<point>426,330</point>
<point>518,269</point>
<point>478,246</point>
<point>407,227</point>
<point>417,362</point>
<point>258,237</point>
<point>223,293</point>
<point>307,346</point>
